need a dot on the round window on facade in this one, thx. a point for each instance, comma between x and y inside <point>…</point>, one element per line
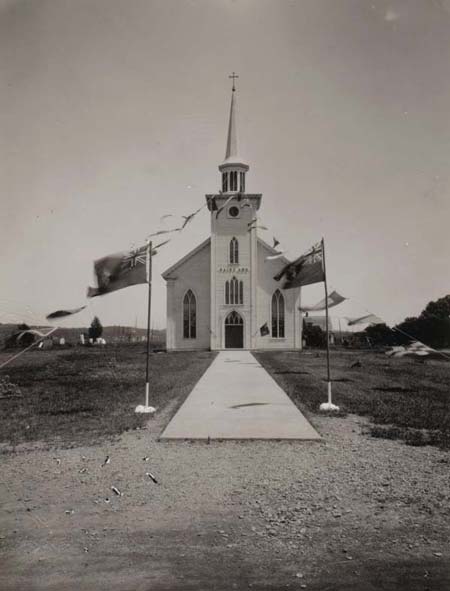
<point>233,211</point>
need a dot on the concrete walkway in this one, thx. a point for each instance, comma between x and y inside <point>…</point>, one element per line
<point>237,399</point>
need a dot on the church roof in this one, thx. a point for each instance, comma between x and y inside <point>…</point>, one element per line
<point>272,250</point>
<point>190,254</point>
<point>166,274</point>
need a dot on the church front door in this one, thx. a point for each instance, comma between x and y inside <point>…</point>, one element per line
<point>234,331</point>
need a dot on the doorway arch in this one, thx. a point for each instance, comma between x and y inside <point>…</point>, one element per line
<point>234,331</point>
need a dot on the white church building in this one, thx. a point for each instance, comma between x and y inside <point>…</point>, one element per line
<point>221,293</point>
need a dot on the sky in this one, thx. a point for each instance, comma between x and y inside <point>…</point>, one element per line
<point>113,113</point>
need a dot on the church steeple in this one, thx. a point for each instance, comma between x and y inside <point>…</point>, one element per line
<point>233,168</point>
<point>231,150</point>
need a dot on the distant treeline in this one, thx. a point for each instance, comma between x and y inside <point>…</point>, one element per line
<point>431,327</point>
<point>112,334</point>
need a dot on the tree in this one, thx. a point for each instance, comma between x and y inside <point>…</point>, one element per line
<point>26,338</point>
<point>96,329</point>
<point>438,309</point>
<point>314,336</point>
<point>431,330</point>
<point>380,335</point>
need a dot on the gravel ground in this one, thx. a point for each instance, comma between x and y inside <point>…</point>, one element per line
<point>350,513</point>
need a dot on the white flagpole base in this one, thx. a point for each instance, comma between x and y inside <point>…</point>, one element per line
<point>328,405</point>
<point>145,408</point>
<point>141,408</point>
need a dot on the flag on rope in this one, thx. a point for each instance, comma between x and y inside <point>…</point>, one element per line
<point>64,313</point>
<point>275,242</point>
<point>159,232</point>
<point>333,300</point>
<point>305,270</point>
<point>264,330</point>
<point>32,331</point>
<point>416,348</point>
<point>120,270</point>
<point>368,319</point>
<point>190,217</point>
<point>277,255</point>
<point>256,227</point>
<point>222,207</point>
<point>155,248</point>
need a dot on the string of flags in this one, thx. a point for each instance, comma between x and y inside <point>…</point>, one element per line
<point>124,269</point>
<point>64,313</point>
<point>32,331</point>
<point>278,253</point>
<point>219,210</point>
<point>367,319</point>
<point>334,299</point>
<point>253,225</point>
<point>415,348</point>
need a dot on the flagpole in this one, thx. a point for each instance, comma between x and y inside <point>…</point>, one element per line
<point>149,313</point>
<point>327,322</point>
<point>329,405</point>
<point>147,408</point>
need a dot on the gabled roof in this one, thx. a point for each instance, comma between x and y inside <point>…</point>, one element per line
<point>273,250</point>
<point>200,247</point>
<point>206,243</point>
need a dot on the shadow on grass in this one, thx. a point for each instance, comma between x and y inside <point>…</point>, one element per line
<point>291,372</point>
<point>395,389</point>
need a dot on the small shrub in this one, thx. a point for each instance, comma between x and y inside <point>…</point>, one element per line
<point>7,388</point>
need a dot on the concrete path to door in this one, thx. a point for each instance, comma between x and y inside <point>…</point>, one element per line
<point>237,399</point>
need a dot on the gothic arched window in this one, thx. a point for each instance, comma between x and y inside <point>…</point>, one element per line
<point>278,315</point>
<point>242,182</point>
<point>233,180</point>
<point>224,182</point>
<point>234,251</point>
<point>234,292</point>
<point>189,316</point>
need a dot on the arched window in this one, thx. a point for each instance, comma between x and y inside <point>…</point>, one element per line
<point>234,251</point>
<point>234,292</point>
<point>242,182</point>
<point>233,319</point>
<point>233,180</point>
<point>224,182</point>
<point>189,316</point>
<point>278,315</point>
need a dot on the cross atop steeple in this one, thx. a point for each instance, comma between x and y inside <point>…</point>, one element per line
<point>233,76</point>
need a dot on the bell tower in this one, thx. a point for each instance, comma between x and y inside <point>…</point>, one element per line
<point>233,248</point>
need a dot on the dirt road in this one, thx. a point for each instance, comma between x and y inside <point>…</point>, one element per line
<point>352,513</point>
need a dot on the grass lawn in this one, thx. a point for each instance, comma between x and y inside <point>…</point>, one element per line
<point>80,395</point>
<point>406,398</point>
